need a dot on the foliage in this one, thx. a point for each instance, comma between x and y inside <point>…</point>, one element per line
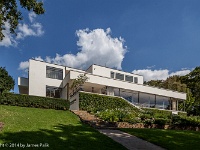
<point>116,115</point>
<point>171,83</point>
<point>192,80</point>
<point>10,13</point>
<point>95,102</point>
<point>185,121</point>
<point>158,113</point>
<point>162,121</point>
<point>34,101</point>
<point>189,84</point>
<point>112,109</point>
<point>168,139</point>
<point>6,81</point>
<point>79,81</point>
<point>60,129</point>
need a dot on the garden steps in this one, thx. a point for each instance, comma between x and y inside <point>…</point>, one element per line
<point>92,120</point>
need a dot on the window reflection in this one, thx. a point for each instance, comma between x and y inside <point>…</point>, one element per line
<point>53,92</point>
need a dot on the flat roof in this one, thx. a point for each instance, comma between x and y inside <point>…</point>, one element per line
<point>87,68</point>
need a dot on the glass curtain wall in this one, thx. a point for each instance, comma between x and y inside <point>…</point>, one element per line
<point>163,102</point>
<point>147,100</point>
<point>54,73</point>
<point>53,92</point>
<point>144,99</point>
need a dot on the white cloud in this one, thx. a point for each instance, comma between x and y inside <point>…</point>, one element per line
<point>24,65</point>
<point>180,73</point>
<point>8,39</point>
<point>31,16</point>
<point>159,74</point>
<point>96,47</point>
<point>23,30</point>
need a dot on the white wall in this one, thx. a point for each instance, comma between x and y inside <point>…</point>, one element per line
<point>38,80</point>
<point>90,69</point>
<point>105,72</point>
<point>23,81</point>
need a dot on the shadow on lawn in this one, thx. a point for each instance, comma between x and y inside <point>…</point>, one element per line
<point>62,136</point>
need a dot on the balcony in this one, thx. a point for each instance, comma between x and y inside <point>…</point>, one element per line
<point>23,85</point>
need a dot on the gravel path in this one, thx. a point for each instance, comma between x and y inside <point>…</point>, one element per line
<point>129,141</point>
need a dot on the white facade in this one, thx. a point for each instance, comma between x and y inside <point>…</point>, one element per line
<point>47,79</point>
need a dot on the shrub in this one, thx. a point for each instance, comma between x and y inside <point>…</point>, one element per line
<point>34,101</point>
<point>156,113</point>
<point>116,115</point>
<point>162,121</point>
<point>182,114</point>
<point>94,102</point>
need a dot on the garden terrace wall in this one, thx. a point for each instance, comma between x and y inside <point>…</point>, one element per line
<point>94,102</point>
<point>34,101</point>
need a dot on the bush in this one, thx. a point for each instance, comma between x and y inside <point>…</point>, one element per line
<point>184,121</point>
<point>94,102</point>
<point>116,115</point>
<point>182,114</point>
<point>162,121</point>
<point>34,101</point>
<point>156,113</point>
<point>112,109</point>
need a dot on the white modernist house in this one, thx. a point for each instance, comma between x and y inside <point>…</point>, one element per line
<point>52,80</point>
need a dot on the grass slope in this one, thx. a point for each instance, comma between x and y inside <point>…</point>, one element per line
<point>59,129</point>
<point>169,139</point>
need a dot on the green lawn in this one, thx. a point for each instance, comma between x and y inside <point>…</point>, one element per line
<point>169,139</point>
<point>59,129</point>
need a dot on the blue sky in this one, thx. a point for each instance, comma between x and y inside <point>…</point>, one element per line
<point>155,38</point>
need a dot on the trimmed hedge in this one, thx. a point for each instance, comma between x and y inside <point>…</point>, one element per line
<point>158,113</point>
<point>34,101</point>
<point>95,102</point>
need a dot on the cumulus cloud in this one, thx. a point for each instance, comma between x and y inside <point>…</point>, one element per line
<point>31,16</point>
<point>96,47</point>
<point>161,74</point>
<point>24,65</point>
<point>23,30</point>
<point>8,39</point>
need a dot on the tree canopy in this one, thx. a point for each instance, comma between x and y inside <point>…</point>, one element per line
<point>79,81</point>
<point>10,13</point>
<point>6,81</point>
<point>189,84</point>
<point>171,83</point>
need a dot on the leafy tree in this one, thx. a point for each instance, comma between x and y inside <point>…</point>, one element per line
<point>6,81</point>
<point>9,13</point>
<point>172,83</point>
<point>193,82</point>
<point>79,81</point>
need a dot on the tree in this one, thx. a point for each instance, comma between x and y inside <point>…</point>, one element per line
<point>79,81</point>
<point>6,81</point>
<point>192,80</point>
<point>171,83</point>
<point>9,13</point>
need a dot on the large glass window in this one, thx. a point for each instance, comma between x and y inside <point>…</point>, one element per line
<point>163,102</point>
<point>52,91</point>
<point>119,76</point>
<point>129,78</point>
<point>147,100</point>
<point>54,73</point>
<point>135,80</point>
<point>126,95</point>
<point>112,74</point>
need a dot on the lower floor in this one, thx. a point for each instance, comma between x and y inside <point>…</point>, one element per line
<point>136,97</point>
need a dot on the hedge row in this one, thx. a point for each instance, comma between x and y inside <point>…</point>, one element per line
<point>95,102</point>
<point>34,101</point>
<point>158,113</point>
